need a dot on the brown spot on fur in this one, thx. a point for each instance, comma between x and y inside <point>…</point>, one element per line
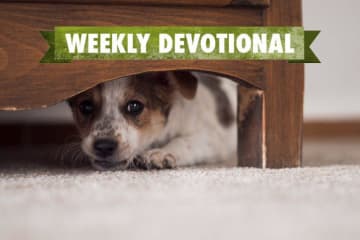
<point>185,82</point>
<point>224,112</point>
<point>155,91</point>
<point>84,123</point>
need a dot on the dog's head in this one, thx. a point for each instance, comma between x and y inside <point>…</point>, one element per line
<point>119,119</point>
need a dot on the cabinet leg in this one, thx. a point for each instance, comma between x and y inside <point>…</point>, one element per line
<point>251,128</point>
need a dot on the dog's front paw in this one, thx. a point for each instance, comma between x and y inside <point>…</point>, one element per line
<point>155,159</point>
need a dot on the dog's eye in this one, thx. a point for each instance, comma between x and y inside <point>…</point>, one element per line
<point>86,107</point>
<point>134,107</point>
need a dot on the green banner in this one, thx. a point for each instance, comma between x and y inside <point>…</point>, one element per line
<point>70,43</point>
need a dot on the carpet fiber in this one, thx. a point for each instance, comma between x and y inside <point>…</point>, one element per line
<point>308,203</point>
<point>194,203</point>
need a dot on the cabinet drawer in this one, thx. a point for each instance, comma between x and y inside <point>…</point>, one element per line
<point>28,83</point>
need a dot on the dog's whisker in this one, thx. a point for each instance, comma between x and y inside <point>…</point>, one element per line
<point>70,154</point>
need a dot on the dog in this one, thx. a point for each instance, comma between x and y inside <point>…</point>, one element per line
<point>157,120</point>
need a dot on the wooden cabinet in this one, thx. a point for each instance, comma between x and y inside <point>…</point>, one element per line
<point>270,133</point>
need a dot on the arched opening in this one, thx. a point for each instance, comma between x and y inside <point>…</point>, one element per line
<point>52,127</point>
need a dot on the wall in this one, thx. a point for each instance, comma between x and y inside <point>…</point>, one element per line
<point>332,87</point>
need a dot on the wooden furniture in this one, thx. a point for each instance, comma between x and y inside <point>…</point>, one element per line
<point>270,133</point>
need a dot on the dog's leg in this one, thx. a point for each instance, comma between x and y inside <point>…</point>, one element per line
<point>185,151</point>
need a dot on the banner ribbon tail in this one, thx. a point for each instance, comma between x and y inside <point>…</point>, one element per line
<point>310,57</point>
<point>49,56</point>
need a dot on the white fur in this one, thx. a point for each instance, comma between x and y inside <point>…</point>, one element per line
<point>196,133</point>
<point>193,133</point>
<point>127,136</point>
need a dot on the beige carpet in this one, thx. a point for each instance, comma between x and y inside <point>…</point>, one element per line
<point>199,203</point>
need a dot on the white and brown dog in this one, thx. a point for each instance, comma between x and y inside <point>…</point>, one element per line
<point>157,120</point>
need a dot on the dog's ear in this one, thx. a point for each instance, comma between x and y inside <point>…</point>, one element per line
<point>185,82</point>
<point>71,101</point>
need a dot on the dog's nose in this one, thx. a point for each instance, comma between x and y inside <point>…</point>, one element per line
<point>105,147</point>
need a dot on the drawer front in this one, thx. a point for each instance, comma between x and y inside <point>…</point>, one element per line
<point>26,83</point>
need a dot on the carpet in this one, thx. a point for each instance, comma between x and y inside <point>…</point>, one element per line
<point>191,203</point>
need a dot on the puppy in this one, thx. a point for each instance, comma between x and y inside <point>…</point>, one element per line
<point>157,120</point>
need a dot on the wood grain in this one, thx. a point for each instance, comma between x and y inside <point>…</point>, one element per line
<point>214,3</point>
<point>284,95</point>
<point>251,128</point>
<point>271,134</point>
<point>258,3</point>
<point>25,83</point>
